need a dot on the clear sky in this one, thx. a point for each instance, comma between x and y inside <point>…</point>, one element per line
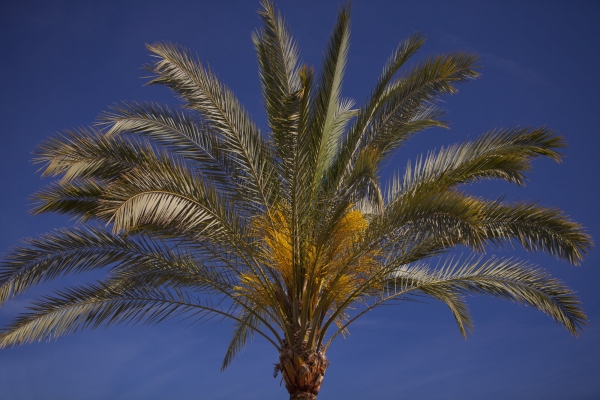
<point>63,62</point>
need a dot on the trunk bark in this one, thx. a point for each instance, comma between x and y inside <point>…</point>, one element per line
<point>303,396</point>
<point>303,370</point>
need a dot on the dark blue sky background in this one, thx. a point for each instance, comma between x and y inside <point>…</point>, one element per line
<point>63,62</point>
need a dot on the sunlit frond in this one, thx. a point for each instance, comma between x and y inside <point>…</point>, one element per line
<point>87,153</point>
<point>501,154</point>
<point>199,87</point>
<point>392,119</point>
<point>514,280</point>
<point>450,217</point>
<point>93,306</point>
<point>536,228</point>
<point>279,72</point>
<point>170,195</point>
<point>405,50</point>
<point>188,137</point>
<point>327,118</point>
<point>76,250</point>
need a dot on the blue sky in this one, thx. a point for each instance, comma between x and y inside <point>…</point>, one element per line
<point>64,62</point>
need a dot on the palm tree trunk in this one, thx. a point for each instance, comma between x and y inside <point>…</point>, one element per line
<point>303,396</point>
<point>303,371</point>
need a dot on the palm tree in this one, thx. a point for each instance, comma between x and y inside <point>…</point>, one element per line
<point>194,213</point>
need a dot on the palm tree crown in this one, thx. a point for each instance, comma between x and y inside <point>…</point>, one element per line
<point>194,212</point>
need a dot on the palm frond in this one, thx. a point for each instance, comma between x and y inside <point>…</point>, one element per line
<point>87,153</point>
<point>363,187</point>
<point>76,250</point>
<point>243,330</point>
<point>535,228</point>
<point>167,194</point>
<point>399,57</point>
<point>178,69</point>
<point>281,85</point>
<point>392,119</point>
<point>509,279</point>
<point>327,118</point>
<point>501,154</point>
<point>410,97</point>
<point>78,197</point>
<point>188,137</point>
<point>450,218</point>
<point>92,306</point>
<point>392,136</point>
<point>514,280</point>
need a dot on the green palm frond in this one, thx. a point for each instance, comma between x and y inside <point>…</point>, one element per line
<point>186,273</point>
<point>243,331</point>
<point>92,306</point>
<point>76,250</point>
<point>280,77</point>
<point>535,228</point>
<point>509,279</point>
<point>179,70</point>
<point>502,154</point>
<point>386,124</point>
<point>87,153</point>
<point>286,90</point>
<point>328,117</point>
<point>410,96</point>
<point>363,186</point>
<point>78,197</point>
<point>451,218</point>
<point>188,137</point>
<point>167,194</point>
<point>405,50</point>
<point>400,128</point>
<point>514,280</point>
